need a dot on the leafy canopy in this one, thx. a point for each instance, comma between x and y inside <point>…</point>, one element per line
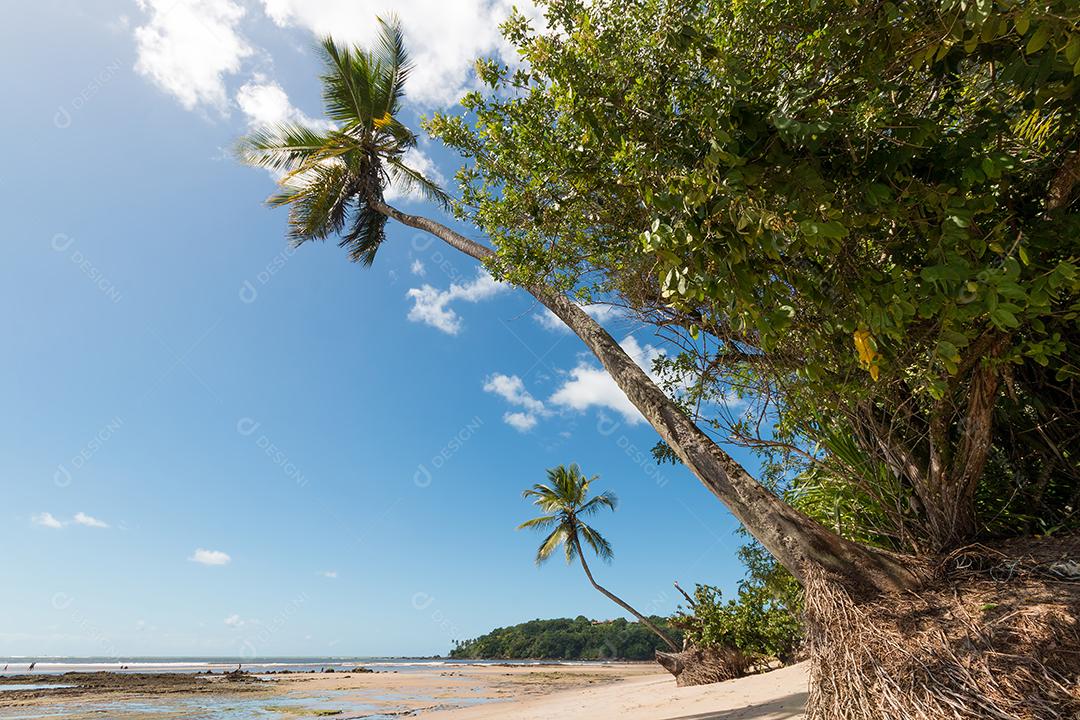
<point>844,210</point>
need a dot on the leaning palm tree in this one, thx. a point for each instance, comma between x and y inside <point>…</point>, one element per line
<point>565,501</point>
<point>334,182</point>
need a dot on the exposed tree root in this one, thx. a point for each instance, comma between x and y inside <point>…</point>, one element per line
<point>997,636</point>
<point>697,666</point>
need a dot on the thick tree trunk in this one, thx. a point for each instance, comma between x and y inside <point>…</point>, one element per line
<point>618,601</point>
<point>796,541</point>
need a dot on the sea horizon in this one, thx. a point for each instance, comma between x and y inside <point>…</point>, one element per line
<point>58,664</point>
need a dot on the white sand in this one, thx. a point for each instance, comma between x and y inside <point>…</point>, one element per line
<point>777,695</point>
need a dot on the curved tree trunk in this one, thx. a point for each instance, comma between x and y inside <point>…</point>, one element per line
<point>618,601</point>
<point>796,541</point>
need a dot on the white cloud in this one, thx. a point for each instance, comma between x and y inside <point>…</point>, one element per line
<point>521,421</point>
<point>417,268</point>
<point>590,386</point>
<point>265,103</point>
<point>210,557</point>
<point>585,386</point>
<point>187,47</point>
<point>234,620</point>
<point>332,574</point>
<point>431,305</point>
<point>444,38</point>
<point>82,518</point>
<point>550,321</point>
<point>46,520</point>
<point>512,389</point>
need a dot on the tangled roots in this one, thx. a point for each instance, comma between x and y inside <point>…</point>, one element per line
<point>997,636</point>
<point>701,666</point>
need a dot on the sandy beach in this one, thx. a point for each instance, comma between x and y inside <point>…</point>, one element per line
<point>452,692</point>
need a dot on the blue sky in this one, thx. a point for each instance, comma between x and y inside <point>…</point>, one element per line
<point>215,445</point>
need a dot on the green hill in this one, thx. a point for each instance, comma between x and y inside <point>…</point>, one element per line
<point>566,639</point>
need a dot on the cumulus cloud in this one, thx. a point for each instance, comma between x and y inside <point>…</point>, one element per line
<point>265,103</point>
<point>210,557</point>
<point>234,620</point>
<point>511,388</point>
<point>82,518</point>
<point>46,520</point>
<point>583,387</point>
<point>590,386</point>
<point>187,47</point>
<point>444,37</point>
<point>431,306</point>
<point>417,268</point>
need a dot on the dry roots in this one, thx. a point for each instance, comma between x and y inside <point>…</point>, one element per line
<point>996,637</point>
<point>695,666</point>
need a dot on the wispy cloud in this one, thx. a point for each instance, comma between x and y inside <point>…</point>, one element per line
<point>46,519</point>
<point>520,421</point>
<point>82,518</point>
<point>210,557</point>
<point>332,574</point>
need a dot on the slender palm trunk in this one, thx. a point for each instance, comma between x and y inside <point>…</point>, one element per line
<point>618,601</point>
<point>797,541</point>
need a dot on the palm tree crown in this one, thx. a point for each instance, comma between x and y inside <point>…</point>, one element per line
<point>566,501</point>
<point>332,176</point>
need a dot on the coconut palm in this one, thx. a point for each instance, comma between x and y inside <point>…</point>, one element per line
<point>333,180</point>
<point>565,500</point>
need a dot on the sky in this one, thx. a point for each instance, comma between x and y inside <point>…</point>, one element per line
<point>215,444</point>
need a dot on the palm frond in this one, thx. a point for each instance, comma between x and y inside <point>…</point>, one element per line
<point>281,148</point>
<point>604,499</point>
<point>597,542</point>
<point>542,522</point>
<point>366,236</point>
<point>319,205</point>
<point>558,536</point>
<point>347,84</point>
<point>413,180</point>
<point>392,61</point>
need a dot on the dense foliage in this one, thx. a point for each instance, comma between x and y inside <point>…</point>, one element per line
<point>764,620</point>
<point>566,639</point>
<point>859,217</point>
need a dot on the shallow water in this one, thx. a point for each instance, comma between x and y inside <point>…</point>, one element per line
<point>340,704</point>
<point>32,686</point>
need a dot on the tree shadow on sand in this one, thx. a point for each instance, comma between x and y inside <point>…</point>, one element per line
<point>785,708</point>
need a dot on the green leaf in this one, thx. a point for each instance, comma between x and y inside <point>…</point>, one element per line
<point>1038,39</point>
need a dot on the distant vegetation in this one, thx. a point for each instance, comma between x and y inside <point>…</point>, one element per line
<point>566,639</point>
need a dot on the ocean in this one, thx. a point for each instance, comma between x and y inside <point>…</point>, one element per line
<point>256,665</point>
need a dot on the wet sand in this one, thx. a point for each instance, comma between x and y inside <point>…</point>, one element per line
<point>629,691</point>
